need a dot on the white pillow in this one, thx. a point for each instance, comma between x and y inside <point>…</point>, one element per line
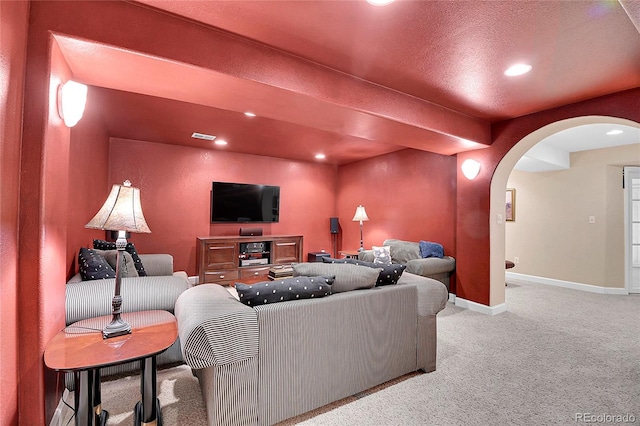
<point>382,255</point>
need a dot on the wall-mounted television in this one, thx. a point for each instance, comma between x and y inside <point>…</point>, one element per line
<point>244,202</point>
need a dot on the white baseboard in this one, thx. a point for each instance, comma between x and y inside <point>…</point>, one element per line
<point>193,280</point>
<point>479,307</point>
<point>566,284</point>
<point>452,298</point>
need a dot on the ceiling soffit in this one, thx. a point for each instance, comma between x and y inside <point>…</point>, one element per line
<point>299,92</point>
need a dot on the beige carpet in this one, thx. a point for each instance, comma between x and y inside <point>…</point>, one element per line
<point>181,400</point>
<point>178,392</point>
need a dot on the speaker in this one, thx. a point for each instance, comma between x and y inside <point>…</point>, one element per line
<point>250,231</point>
<point>334,226</point>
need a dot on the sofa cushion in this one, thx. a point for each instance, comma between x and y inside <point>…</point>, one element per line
<point>93,266</point>
<point>388,275</point>
<point>381,255</point>
<point>130,248</point>
<point>128,268</point>
<point>430,249</point>
<point>403,251</point>
<point>283,290</point>
<point>347,277</point>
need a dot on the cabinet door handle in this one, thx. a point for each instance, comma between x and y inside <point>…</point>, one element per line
<point>221,276</point>
<point>256,273</point>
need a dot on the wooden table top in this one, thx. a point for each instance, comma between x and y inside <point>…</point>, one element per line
<point>80,346</point>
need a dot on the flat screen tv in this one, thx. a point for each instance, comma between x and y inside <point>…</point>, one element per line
<point>243,202</point>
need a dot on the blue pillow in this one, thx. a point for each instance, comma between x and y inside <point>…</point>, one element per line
<point>429,249</point>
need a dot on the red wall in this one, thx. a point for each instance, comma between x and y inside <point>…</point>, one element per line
<point>88,180</point>
<point>43,225</point>
<point>14,18</point>
<point>45,185</point>
<point>407,194</point>
<point>175,185</point>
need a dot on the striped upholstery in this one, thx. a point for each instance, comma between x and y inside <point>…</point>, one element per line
<point>216,329</point>
<point>314,352</point>
<point>219,338</point>
<point>275,361</point>
<point>427,343</point>
<point>87,299</point>
<point>158,291</point>
<point>230,392</point>
<point>432,294</point>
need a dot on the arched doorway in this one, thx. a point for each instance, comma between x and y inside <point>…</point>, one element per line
<point>499,185</point>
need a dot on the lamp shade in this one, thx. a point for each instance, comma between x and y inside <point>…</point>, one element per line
<point>121,212</point>
<point>361,215</point>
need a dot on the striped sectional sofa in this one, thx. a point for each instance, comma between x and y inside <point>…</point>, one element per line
<point>264,364</point>
<point>158,290</point>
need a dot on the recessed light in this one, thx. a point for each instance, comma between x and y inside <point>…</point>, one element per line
<point>380,2</point>
<point>203,136</point>
<point>249,114</point>
<point>320,156</point>
<point>614,132</point>
<point>517,69</point>
<point>220,142</point>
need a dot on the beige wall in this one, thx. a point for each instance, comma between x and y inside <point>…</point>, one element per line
<point>551,234</point>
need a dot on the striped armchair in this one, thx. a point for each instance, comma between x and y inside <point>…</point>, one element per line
<point>159,290</point>
<point>261,365</point>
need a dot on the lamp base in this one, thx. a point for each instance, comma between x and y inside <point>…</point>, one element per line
<point>117,327</point>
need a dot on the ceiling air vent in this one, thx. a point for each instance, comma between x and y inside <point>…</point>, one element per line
<point>203,136</point>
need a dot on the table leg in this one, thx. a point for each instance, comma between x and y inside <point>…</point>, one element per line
<point>147,411</point>
<point>83,397</point>
<point>101,415</point>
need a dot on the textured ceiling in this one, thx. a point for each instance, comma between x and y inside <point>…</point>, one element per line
<point>353,80</point>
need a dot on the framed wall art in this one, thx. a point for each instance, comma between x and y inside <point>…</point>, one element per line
<point>511,205</point>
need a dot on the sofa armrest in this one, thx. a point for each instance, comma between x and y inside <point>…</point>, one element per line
<point>157,264</point>
<point>88,299</point>
<point>432,294</point>
<point>431,265</point>
<point>215,328</point>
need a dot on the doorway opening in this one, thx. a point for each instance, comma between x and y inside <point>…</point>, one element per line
<point>499,186</point>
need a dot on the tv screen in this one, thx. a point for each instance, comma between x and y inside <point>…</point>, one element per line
<point>243,202</point>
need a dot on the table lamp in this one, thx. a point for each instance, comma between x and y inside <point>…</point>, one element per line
<point>360,216</point>
<point>121,212</point>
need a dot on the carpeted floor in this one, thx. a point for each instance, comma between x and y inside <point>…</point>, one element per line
<point>556,354</point>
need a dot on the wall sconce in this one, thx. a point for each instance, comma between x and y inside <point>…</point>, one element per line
<point>72,98</point>
<point>470,168</point>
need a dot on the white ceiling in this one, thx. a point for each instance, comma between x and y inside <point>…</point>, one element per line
<point>553,152</point>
